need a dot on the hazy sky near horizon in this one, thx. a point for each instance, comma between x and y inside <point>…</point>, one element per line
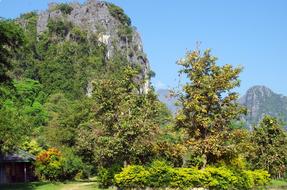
<point>252,34</point>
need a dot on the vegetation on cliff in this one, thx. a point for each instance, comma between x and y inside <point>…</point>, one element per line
<point>81,103</point>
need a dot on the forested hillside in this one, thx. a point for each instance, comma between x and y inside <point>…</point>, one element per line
<point>69,76</point>
<point>75,92</point>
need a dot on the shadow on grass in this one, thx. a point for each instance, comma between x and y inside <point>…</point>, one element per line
<point>23,186</point>
<point>83,184</point>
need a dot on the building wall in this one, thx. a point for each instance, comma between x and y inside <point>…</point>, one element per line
<point>2,174</point>
<point>15,172</point>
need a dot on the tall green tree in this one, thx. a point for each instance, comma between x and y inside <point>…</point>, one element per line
<point>12,120</point>
<point>209,105</point>
<point>65,116</point>
<point>14,127</point>
<point>22,113</point>
<point>11,38</point>
<point>270,144</point>
<point>124,122</point>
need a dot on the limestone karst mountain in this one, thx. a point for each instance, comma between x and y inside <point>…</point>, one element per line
<point>107,21</point>
<point>259,100</point>
<point>90,35</point>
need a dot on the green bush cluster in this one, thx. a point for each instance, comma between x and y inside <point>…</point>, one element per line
<point>125,31</point>
<point>52,165</point>
<point>60,28</point>
<point>119,14</point>
<point>65,8</point>
<point>160,175</point>
<point>106,175</point>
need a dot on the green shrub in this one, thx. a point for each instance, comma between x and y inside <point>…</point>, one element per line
<point>126,32</point>
<point>160,175</point>
<point>32,147</point>
<point>53,165</point>
<point>185,178</point>
<point>73,166</point>
<point>133,177</point>
<point>49,165</point>
<point>249,179</point>
<point>119,14</point>
<point>60,28</point>
<point>78,35</point>
<point>65,8</point>
<point>220,178</point>
<point>106,176</point>
<point>261,177</point>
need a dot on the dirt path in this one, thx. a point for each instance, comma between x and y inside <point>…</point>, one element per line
<point>80,186</point>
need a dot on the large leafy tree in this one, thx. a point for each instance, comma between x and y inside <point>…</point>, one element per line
<point>11,38</point>
<point>124,122</point>
<point>270,144</point>
<point>13,127</point>
<point>209,105</point>
<point>12,121</point>
<point>65,116</point>
<point>22,113</point>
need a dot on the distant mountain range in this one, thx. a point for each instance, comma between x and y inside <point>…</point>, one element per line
<point>259,101</point>
<point>164,96</point>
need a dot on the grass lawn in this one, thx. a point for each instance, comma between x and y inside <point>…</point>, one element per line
<point>278,185</point>
<point>275,185</point>
<point>52,186</point>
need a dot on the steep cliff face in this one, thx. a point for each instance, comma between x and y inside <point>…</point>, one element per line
<point>260,101</point>
<point>107,23</point>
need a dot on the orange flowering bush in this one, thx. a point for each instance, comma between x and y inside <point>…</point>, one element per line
<point>49,165</point>
<point>53,165</point>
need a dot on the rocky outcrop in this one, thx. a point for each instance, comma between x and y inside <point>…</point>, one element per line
<point>260,101</point>
<point>95,17</point>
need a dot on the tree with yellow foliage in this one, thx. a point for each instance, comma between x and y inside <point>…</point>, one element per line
<point>209,106</point>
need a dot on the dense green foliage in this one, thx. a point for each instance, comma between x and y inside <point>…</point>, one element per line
<point>81,113</point>
<point>14,124</point>
<point>55,165</point>
<point>49,165</point>
<point>119,14</point>
<point>59,64</point>
<point>11,38</point>
<point>270,144</point>
<point>106,175</point>
<point>208,106</point>
<point>126,119</point>
<point>65,8</point>
<point>160,175</point>
<point>52,75</point>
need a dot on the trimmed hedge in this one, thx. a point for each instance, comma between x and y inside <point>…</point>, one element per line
<point>133,177</point>
<point>160,175</point>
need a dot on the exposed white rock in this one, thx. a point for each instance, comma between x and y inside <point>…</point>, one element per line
<point>90,89</point>
<point>95,18</point>
<point>104,38</point>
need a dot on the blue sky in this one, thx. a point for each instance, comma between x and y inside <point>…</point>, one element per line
<point>252,34</point>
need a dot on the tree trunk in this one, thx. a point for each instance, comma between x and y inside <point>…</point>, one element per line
<point>204,161</point>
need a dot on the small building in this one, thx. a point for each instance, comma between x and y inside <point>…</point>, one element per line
<point>17,167</point>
